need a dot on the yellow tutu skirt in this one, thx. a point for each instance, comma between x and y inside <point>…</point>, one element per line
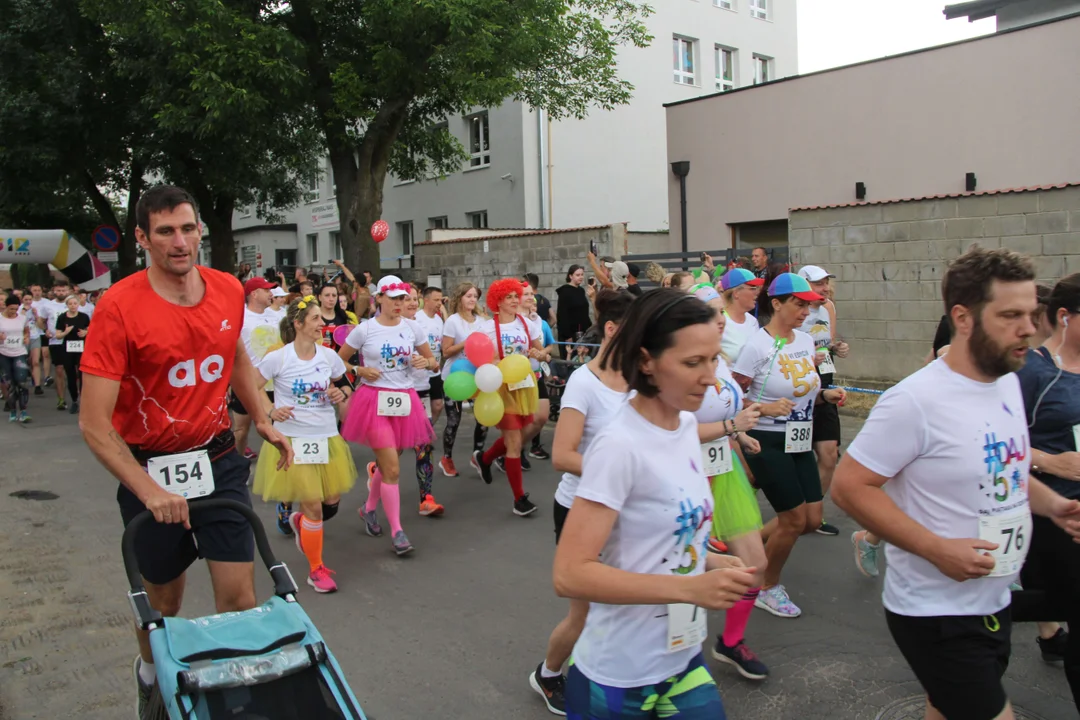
<point>520,402</point>
<point>305,483</point>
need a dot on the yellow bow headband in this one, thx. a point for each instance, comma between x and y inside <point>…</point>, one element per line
<point>302,305</point>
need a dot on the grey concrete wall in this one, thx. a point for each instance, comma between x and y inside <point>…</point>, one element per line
<point>548,254</point>
<point>644,243</point>
<point>889,259</point>
<point>907,126</point>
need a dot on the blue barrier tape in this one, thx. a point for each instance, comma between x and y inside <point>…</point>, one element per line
<point>867,391</point>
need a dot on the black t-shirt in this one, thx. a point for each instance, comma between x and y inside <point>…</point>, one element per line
<point>943,336</point>
<point>81,321</point>
<point>573,310</point>
<point>543,307</point>
<point>634,290</point>
<point>1052,404</point>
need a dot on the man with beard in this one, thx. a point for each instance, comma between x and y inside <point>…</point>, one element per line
<point>941,471</point>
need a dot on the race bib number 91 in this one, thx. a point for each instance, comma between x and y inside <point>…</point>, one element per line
<point>716,457</point>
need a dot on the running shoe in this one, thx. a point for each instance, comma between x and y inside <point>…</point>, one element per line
<point>320,579</point>
<point>776,601</point>
<point>61,405</point>
<point>538,452</point>
<point>500,463</point>
<point>430,508</point>
<point>148,702</point>
<point>24,417</point>
<point>294,524</point>
<point>552,689</point>
<point>742,657</point>
<point>446,464</point>
<point>477,461</point>
<point>401,543</point>
<point>49,381</point>
<point>38,390</point>
<point>371,522</point>
<point>717,546</point>
<point>827,529</point>
<point>283,512</point>
<point>523,506</point>
<point>1053,649</point>
<point>865,554</point>
<point>74,410</point>
<point>13,416</point>
<point>525,464</point>
<point>250,454</point>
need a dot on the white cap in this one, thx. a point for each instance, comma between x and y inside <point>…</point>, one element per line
<point>812,273</point>
<point>276,291</point>
<point>392,286</point>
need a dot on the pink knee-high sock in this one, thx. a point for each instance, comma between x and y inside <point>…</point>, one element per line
<point>391,505</point>
<point>375,492</point>
<point>738,616</point>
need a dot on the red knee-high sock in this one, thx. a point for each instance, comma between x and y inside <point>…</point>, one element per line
<point>513,474</point>
<point>738,616</point>
<point>495,451</point>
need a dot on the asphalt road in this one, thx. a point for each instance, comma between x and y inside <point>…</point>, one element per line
<point>451,631</point>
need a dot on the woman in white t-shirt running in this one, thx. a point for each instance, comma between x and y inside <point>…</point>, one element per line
<point>777,369</point>
<point>14,356</point>
<point>385,412</point>
<point>739,290</point>
<point>591,398</point>
<point>511,334</point>
<point>308,381</point>
<point>634,541</point>
<point>463,322</point>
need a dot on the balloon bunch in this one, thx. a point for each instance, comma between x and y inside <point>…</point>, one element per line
<point>478,376</point>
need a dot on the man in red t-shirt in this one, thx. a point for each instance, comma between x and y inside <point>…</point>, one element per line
<point>159,358</point>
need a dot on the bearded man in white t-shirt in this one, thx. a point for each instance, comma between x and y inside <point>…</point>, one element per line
<point>941,471</point>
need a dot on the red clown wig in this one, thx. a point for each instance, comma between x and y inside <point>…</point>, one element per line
<point>500,289</point>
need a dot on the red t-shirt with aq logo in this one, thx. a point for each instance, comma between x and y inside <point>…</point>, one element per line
<point>174,363</point>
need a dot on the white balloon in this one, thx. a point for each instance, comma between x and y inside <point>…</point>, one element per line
<point>488,378</point>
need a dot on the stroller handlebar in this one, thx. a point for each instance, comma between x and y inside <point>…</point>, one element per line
<point>283,581</point>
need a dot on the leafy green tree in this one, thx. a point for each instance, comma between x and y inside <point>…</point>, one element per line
<point>382,73</point>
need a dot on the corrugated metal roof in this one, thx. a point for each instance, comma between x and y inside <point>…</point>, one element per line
<point>537,231</point>
<point>945,196</point>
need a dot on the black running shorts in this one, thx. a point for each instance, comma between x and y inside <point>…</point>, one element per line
<point>238,407</point>
<point>164,551</point>
<point>437,388</point>
<point>787,479</point>
<point>559,513</point>
<point>958,659</point>
<point>826,423</point>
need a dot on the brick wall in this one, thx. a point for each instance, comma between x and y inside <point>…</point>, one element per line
<point>889,258</point>
<point>547,253</point>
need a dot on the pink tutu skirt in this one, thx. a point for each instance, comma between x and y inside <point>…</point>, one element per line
<point>365,426</point>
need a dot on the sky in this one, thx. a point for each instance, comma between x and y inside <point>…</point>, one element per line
<point>841,32</point>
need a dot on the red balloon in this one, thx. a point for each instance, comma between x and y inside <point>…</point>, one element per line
<point>479,349</point>
<point>380,230</point>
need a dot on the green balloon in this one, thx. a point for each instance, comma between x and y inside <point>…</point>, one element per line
<point>460,386</point>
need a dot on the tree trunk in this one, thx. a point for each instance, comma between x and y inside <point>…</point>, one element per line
<point>128,245</point>
<point>107,213</point>
<point>218,217</point>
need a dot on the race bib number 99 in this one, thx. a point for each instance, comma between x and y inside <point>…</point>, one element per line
<point>394,404</point>
<point>188,475</point>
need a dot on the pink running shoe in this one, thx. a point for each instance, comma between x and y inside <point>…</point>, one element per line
<point>320,580</point>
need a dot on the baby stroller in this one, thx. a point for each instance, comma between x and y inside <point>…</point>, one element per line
<point>267,663</point>
<point>555,381</point>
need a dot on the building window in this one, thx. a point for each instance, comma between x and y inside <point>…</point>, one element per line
<point>725,68</point>
<point>479,140</point>
<point>405,232</point>
<point>335,245</point>
<point>763,70</point>
<point>759,9</point>
<point>438,223</point>
<point>724,4</point>
<point>683,59</point>
<point>245,212</point>
<point>311,186</point>
<point>313,248</point>
<point>477,219</point>
<point>330,181</point>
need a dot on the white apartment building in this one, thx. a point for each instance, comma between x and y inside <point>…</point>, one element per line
<point>526,171</point>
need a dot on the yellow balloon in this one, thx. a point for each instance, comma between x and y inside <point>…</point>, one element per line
<point>515,368</point>
<point>488,409</point>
